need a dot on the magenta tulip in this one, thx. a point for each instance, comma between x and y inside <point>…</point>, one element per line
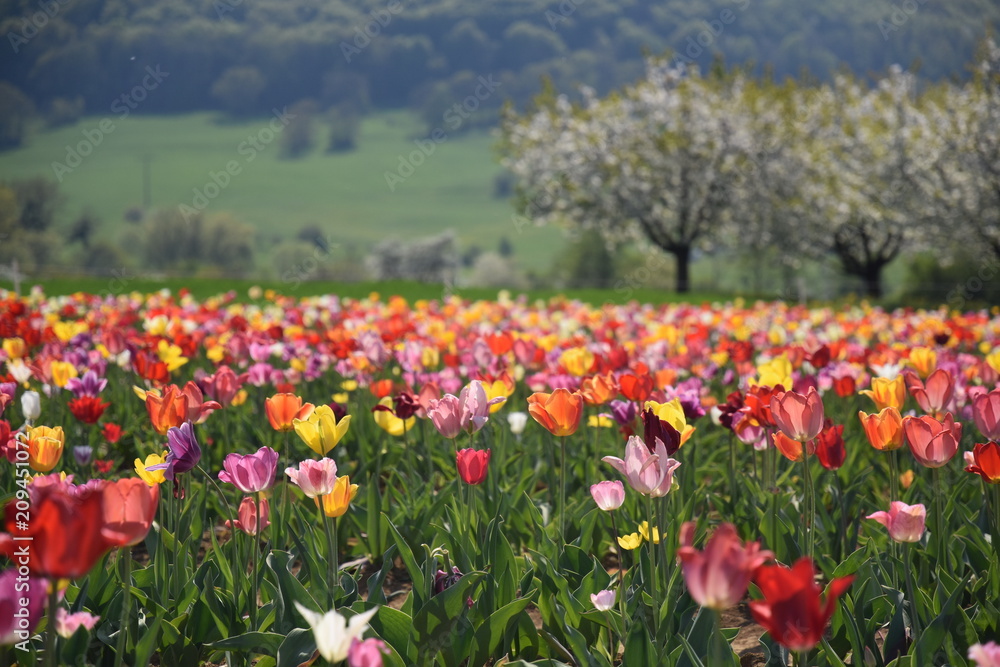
<point>251,473</point>
<point>718,576</point>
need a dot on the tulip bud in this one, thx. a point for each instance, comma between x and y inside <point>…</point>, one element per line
<point>31,405</point>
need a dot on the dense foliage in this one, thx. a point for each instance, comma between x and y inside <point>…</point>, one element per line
<point>248,57</point>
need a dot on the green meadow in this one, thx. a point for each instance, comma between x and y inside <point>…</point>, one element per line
<point>345,194</point>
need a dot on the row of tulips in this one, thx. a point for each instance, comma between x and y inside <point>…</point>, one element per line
<point>473,432</point>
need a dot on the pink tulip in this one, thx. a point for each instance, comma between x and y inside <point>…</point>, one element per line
<point>985,655</point>
<point>934,395</point>
<point>475,406</point>
<point>251,473</point>
<point>603,601</point>
<point>608,495</point>
<point>315,478</point>
<point>247,521</point>
<point>905,522</point>
<point>718,576</point>
<point>14,589</point>
<point>799,416</point>
<point>648,473</point>
<point>932,443</point>
<point>67,624</point>
<point>986,414</point>
<point>223,385</point>
<point>366,653</point>
<point>445,414</point>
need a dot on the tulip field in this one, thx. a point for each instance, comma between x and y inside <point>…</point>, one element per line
<point>280,481</point>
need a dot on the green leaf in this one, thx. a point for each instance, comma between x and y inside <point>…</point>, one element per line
<point>298,647</point>
<point>493,629</point>
<point>438,617</point>
<point>932,638</point>
<point>290,590</point>
<point>252,642</point>
<point>393,626</point>
<point>416,574</point>
<point>639,648</point>
<point>852,563</point>
<point>145,647</point>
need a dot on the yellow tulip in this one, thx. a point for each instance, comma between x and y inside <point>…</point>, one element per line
<point>45,447</point>
<point>171,355</point>
<point>672,412</point>
<point>644,531</point>
<point>887,393</point>
<point>14,347</point>
<point>151,477</point>
<point>600,421</point>
<point>774,372</point>
<point>339,500</point>
<point>349,385</point>
<point>577,361</point>
<point>993,359</point>
<point>389,422</point>
<point>501,388</point>
<point>62,371</point>
<point>630,542</point>
<point>320,430</point>
<point>924,360</point>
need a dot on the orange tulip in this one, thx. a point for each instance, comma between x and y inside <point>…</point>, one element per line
<point>599,389</point>
<point>884,430</point>
<point>887,393</point>
<point>129,509</point>
<point>790,449</point>
<point>281,409</point>
<point>559,412</point>
<point>167,410</point>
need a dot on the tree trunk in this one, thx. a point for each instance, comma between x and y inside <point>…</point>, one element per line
<point>683,257</point>
<point>873,280</point>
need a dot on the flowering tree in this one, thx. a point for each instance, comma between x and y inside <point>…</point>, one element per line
<point>658,160</point>
<point>864,188</point>
<point>967,128</point>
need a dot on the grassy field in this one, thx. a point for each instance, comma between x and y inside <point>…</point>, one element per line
<point>206,287</point>
<point>345,194</point>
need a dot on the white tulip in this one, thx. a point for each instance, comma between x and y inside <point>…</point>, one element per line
<point>333,632</point>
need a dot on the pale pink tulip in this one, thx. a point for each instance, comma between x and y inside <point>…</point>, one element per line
<point>603,601</point>
<point>315,478</point>
<point>905,522</point>
<point>608,495</point>
<point>648,473</point>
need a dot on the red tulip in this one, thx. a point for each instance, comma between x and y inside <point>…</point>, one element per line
<point>799,416</point>
<point>792,611</point>
<point>65,530</point>
<point>845,386</point>
<point>473,465</point>
<point>986,462</point>
<point>933,443</point>
<point>636,387</point>
<point>830,446</point>
<point>88,409</point>
<point>111,432</point>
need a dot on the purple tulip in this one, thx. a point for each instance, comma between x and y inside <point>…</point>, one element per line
<point>82,454</point>
<point>88,385</point>
<point>14,628</point>
<point>251,473</point>
<point>623,412</point>
<point>185,453</point>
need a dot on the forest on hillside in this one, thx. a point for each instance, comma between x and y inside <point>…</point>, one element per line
<point>70,57</point>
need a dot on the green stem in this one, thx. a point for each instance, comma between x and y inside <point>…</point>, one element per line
<point>125,554</point>
<point>621,576</point>
<point>562,495</point>
<point>720,653</point>
<point>653,583</point>
<point>810,501</point>
<point>51,637</point>
<point>893,476</point>
<point>939,528</point>
<point>914,615</point>
<point>333,556</point>
<point>254,553</point>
